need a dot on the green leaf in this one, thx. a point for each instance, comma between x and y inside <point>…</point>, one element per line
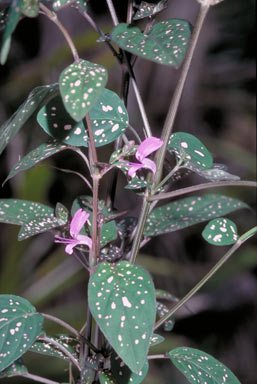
<point>125,226</point>
<point>216,173</point>
<point>35,156</point>
<point>20,325</point>
<point>166,42</point>
<point>38,225</point>
<point>146,9</point>
<point>137,183</point>
<point>199,367</point>
<point>123,374</point>
<point>81,85</point>
<point>39,95</point>
<point>108,116</point>
<point>190,211</point>
<point>164,295</point>
<point>15,369</point>
<point>30,8</point>
<point>62,213</point>
<point>110,254</point>
<point>3,18</point>
<point>122,301</point>
<point>220,232</point>
<point>163,310</point>
<point>106,378</point>
<point>69,343</point>
<point>12,21</point>
<point>78,4</point>
<point>191,149</point>
<point>156,339</point>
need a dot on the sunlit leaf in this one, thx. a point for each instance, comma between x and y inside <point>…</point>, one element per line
<point>166,42</point>
<point>199,367</point>
<point>123,374</point>
<point>122,301</point>
<point>20,325</point>
<point>147,9</point>
<point>12,126</point>
<point>190,211</point>
<point>81,85</point>
<point>220,232</point>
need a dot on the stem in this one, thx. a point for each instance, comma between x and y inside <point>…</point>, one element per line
<point>172,172</point>
<point>53,17</point>
<point>62,323</point>
<point>39,379</point>
<point>200,187</point>
<point>170,119</point>
<point>207,277</point>
<point>61,348</point>
<point>154,357</point>
<point>113,13</point>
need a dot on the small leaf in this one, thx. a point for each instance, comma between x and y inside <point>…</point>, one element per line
<point>78,4</point>
<point>166,42</point>
<point>3,18</point>
<point>216,173</point>
<point>69,343</point>
<point>125,226</point>
<point>30,8</point>
<point>81,85</point>
<point>149,9</point>
<point>15,369</point>
<point>199,367</point>
<point>11,127</point>
<point>122,301</point>
<point>62,213</point>
<point>14,14</point>
<point>163,310</point>
<point>164,295</point>
<point>35,156</point>
<point>220,232</point>
<point>191,149</point>
<point>137,183</point>
<point>190,211</point>
<point>110,254</point>
<point>107,378</point>
<point>156,339</point>
<point>123,374</point>
<point>20,325</point>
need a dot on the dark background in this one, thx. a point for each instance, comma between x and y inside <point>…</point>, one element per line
<point>219,107</point>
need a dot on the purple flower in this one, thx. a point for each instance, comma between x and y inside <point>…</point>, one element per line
<point>147,147</point>
<point>78,221</point>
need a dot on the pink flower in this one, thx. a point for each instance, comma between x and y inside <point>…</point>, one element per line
<point>147,147</point>
<point>78,221</point>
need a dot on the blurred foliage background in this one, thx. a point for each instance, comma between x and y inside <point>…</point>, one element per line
<point>219,107</point>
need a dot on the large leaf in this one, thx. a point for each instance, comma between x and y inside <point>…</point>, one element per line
<point>20,325</point>
<point>166,43</point>
<point>11,23</point>
<point>199,367</point>
<point>108,116</point>
<point>220,232</point>
<point>81,85</point>
<point>146,9</point>
<point>191,149</point>
<point>15,369</point>
<point>190,211</point>
<point>39,225</point>
<point>123,374</point>
<point>35,156</point>
<point>122,301</point>
<point>39,95</point>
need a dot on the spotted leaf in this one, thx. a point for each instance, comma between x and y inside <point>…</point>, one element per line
<point>166,42</point>
<point>137,183</point>
<point>81,85</point>
<point>191,149</point>
<point>156,339</point>
<point>69,343</point>
<point>162,310</point>
<point>38,225</point>
<point>146,9</point>
<point>111,254</point>
<point>190,211</point>
<point>35,156</point>
<point>107,378</point>
<point>79,4</point>
<point>164,295</point>
<point>216,173</point>
<point>125,226</point>
<point>123,374</point>
<point>220,232</point>
<point>15,369</point>
<point>14,14</point>
<point>30,8</point>
<point>3,18</point>
<point>199,367</point>
<point>11,127</point>
<point>122,301</point>
<point>20,325</point>
<point>62,213</point>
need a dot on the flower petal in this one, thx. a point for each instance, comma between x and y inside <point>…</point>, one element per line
<point>148,146</point>
<point>77,222</point>
<point>69,247</point>
<point>149,164</point>
<point>85,240</point>
<point>133,168</point>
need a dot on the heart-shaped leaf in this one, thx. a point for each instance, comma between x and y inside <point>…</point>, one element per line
<point>14,14</point>
<point>156,339</point>
<point>199,367</point>
<point>146,9</point>
<point>81,85</point>
<point>220,232</point>
<point>39,95</point>
<point>190,211</point>
<point>161,311</point>
<point>79,4</point>
<point>15,369</point>
<point>166,42</point>
<point>30,8</point>
<point>35,156</point>
<point>191,149</point>
<point>123,374</point>
<point>122,301</point>
<point>20,325</point>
